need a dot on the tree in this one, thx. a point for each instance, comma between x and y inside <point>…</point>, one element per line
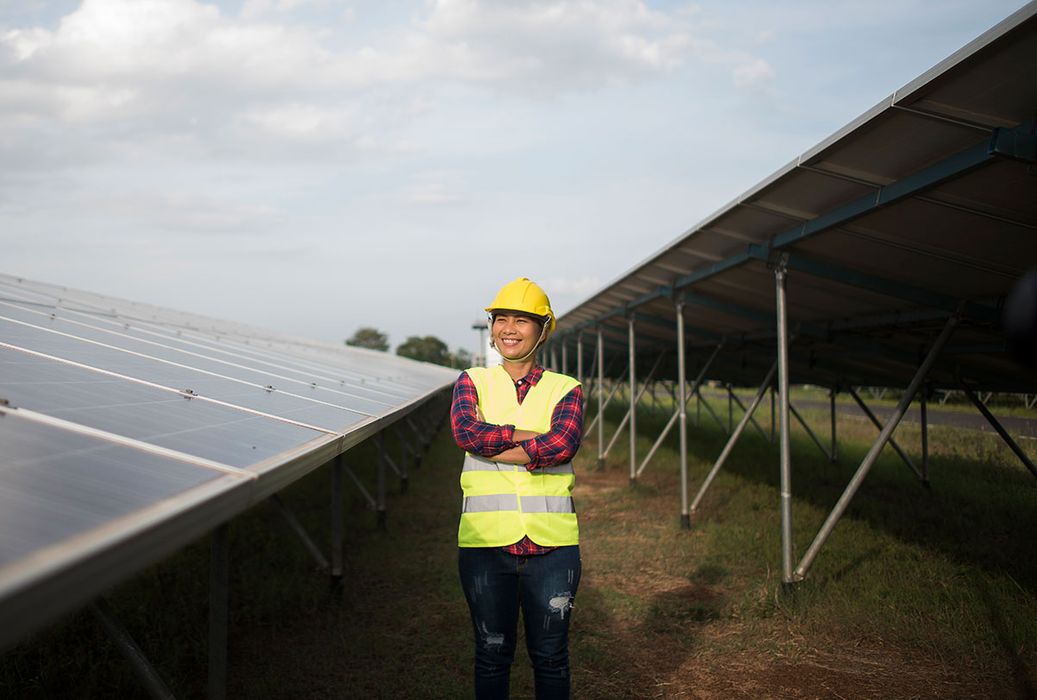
<point>427,349</point>
<point>368,337</point>
<point>461,359</point>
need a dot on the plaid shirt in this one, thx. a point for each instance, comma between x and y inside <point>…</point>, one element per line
<point>557,446</point>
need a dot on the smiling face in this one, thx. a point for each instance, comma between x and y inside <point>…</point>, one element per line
<point>515,334</point>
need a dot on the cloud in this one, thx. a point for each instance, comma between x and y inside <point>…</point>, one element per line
<point>573,286</point>
<point>432,193</point>
<point>177,211</point>
<point>184,77</point>
<point>558,44</point>
<point>753,73</point>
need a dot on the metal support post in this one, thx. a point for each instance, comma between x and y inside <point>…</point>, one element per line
<point>147,674</point>
<point>554,358</point>
<point>732,440</point>
<point>391,463</point>
<point>810,432</point>
<point>996,425</point>
<point>565,357</point>
<point>412,423</point>
<point>730,408</point>
<point>709,409</point>
<point>371,503</point>
<point>892,443</point>
<point>300,531</point>
<point>784,446</point>
<point>379,443</point>
<point>633,399</point>
<point>404,479</point>
<point>219,578</point>
<point>612,392</point>
<point>741,405</point>
<point>601,404</point>
<point>634,402</point>
<point>337,524</point>
<point>428,426</point>
<point>682,411</point>
<point>683,405</point>
<point>923,410</point>
<point>590,377</point>
<point>774,415</point>
<point>834,455</point>
<point>579,357</point>
<point>876,448</point>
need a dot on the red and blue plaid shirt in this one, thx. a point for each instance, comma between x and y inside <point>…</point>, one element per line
<point>556,446</point>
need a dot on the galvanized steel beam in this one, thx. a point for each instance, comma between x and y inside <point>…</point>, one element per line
<point>1015,143</point>
<point>876,448</point>
<point>813,436</point>
<point>681,402</point>
<point>147,674</point>
<point>601,405</point>
<point>337,525</point>
<point>219,592</point>
<point>996,425</point>
<point>682,411</point>
<point>784,447</point>
<point>299,530</point>
<point>893,443</point>
<point>634,397</point>
<point>733,439</point>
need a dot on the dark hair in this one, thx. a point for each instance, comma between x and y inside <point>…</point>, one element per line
<point>539,319</point>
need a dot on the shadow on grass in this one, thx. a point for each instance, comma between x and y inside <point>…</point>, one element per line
<point>614,657</point>
<point>1021,676</point>
<point>976,512</point>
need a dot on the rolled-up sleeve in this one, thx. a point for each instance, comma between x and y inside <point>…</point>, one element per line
<point>560,444</point>
<point>471,434</point>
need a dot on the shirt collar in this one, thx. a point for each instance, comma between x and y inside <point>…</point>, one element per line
<point>532,377</point>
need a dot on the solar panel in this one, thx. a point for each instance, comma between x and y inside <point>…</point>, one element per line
<point>126,430</point>
<point>923,202</point>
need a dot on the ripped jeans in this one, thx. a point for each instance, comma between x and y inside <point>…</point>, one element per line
<point>496,584</point>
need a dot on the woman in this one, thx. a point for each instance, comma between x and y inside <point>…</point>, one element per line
<point>520,427</point>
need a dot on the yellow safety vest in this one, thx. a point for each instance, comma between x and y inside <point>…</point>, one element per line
<point>504,502</point>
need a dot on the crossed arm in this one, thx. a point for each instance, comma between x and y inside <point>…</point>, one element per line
<point>516,454</point>
<point>503,443</point>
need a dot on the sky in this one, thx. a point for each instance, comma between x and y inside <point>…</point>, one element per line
<point>315,166</point>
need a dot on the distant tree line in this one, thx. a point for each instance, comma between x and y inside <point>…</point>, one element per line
<point>426,349</point>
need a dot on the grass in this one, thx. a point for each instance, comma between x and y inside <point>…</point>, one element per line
<point>919,593</point>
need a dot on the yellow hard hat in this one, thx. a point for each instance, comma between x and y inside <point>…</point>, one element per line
<point>524,295</point>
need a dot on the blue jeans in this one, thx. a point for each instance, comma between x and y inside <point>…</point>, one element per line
<point>496,584</point>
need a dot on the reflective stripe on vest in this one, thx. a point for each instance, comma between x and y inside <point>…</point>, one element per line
<point>505,502</point>
<point>472,463</point>
<point>488,504</point>
<point>510,502</point>
<point>548,504</point>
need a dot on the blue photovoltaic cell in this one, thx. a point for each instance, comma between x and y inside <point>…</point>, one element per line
<point>123,369</point>
<point>233,370</point>
<point>55,484</point>
<point>365,376</point>
<point>145,368</point>
<point>145,413</point>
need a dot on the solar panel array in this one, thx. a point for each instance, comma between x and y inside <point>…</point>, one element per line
<point>924,205</point>
<point>126,430</point>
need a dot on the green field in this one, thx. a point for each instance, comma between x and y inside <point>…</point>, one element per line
<point>919,593</point>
